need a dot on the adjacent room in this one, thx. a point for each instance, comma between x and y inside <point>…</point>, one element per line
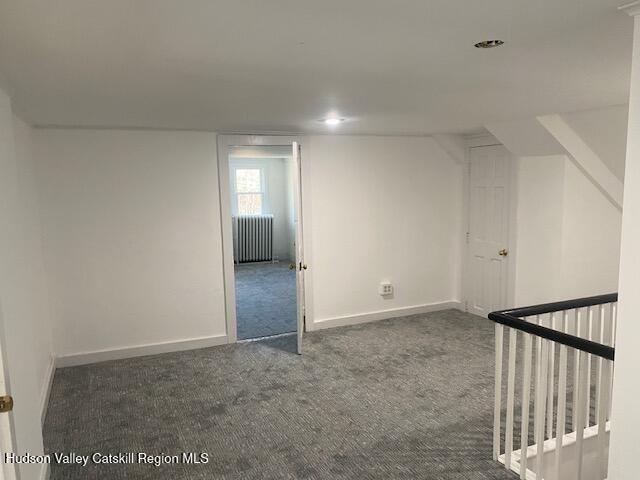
<point>263,218</point>
<point>336,240</point>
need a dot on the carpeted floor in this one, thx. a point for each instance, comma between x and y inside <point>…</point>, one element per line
<point>265,299</point>
<point>407,398</point>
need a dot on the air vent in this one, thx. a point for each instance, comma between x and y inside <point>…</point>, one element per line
<point>489,44</point>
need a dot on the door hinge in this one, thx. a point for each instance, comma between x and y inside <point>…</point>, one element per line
<point>6,403</point>
<point>467,235</point>
<point>466,306</point>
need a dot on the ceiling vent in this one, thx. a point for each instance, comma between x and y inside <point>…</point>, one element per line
<point>489,44</point>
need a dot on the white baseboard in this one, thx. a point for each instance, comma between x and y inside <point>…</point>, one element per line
<point>85,358</point>
<point>46,390</point>
<point>45,471</point>
<point>384,314</point>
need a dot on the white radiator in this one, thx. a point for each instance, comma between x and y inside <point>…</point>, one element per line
<point>252,238</point>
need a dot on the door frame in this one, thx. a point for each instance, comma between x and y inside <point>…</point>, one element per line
<point>9,471</point>
<point>488,140</point>
<point>225,143</point>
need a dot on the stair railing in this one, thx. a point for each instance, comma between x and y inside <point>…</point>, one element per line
<point>557,410</point>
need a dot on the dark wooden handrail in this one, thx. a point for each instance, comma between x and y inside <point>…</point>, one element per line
<point>513,318</point>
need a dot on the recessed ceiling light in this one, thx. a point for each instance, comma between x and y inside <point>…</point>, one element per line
<point>489,44</point>
<point>332,121</point>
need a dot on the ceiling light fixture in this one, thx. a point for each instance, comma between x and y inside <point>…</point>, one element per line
<point>332,121</point>
<point>489,44</point>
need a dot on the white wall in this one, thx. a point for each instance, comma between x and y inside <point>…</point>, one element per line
<point>568,233</point>
<point>23,293</point>
<point>383,208</point>
<point>590,238</point>
<point>625,417</point>
<point>539,229</point>
<point>605,131</point>
<point>131,227</point>
<point>132,232</point>
<point>277,193</point>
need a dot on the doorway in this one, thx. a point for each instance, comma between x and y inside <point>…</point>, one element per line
<point>488,229</point>
<point>260,188</point>
<point>8,470</point>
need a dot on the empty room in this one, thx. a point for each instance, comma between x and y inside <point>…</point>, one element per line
<point>263,183</point>
<point>330,240</point>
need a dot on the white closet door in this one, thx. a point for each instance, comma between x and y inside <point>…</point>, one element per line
<point>488,228</point>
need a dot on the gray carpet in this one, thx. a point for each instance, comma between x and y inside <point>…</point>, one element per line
<point>265,299</point>
<point>407,398</point>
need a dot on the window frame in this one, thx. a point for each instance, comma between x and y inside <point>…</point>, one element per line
<point>242,165</point>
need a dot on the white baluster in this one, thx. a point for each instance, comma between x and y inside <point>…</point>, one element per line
<point>581,393</point>
<point>602,417</point>
<point>537,381</point>
<point>511,380</point>
<point>526,392</point>
<point>612,343</point>
<point>540,404</point>
<point>498,392</point>
<point>551,379</point>
<point>587,413</point>
<point>600,338</point>
<point>562,397</point>
<point>576,369</point>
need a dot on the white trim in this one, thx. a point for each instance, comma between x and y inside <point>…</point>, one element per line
<point>513,231</point>
<point>383,314</point>
<point>465,280</point>
<point>454,145</point>
<point>85,358</point>
<point>631,9</point>
<point>481,140</point>
<point>549,446</point>
<point>45,471</point>
<point>224,187</point>
<point>584,158</point>
<point>46,390</point>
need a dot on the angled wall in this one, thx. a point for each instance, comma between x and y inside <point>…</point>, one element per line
<point>568,233</point>
<point>568,220</point>
<point>605,131</point>
<point>584,157</point>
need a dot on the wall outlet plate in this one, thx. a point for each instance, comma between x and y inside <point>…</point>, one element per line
<point>385,289</point>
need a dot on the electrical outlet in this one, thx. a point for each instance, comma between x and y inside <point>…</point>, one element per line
<point>385,289</point>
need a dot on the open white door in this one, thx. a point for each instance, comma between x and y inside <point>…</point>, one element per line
<point>488,228</point>
<point>7,436</point>
<point>300,265</point>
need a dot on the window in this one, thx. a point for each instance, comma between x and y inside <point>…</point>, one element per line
<point>249,191</point>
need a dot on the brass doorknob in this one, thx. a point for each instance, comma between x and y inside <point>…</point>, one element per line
<point>6,403</point>
<point>504,252</point>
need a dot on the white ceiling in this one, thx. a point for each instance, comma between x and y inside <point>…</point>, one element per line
<point>389,66</point>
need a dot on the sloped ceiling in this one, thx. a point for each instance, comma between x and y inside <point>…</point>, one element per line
<point>388,67</point>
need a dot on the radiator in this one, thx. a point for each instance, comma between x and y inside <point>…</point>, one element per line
<point>252,238</point>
